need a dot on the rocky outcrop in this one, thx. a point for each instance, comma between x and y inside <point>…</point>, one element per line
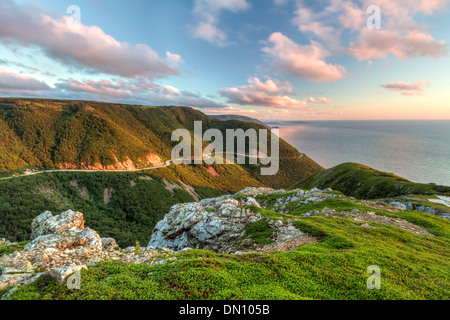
<point>61,246</point>
<point>64,231</point>
<point>46,223</point>
<point>216,224</point>
<point>210,224</point>
<point>417,206</point>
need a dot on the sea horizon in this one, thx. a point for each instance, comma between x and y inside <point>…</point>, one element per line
<point>412,149</point>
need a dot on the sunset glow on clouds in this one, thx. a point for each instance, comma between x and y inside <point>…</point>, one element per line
<point>407,89</point>
<point>271,59</point>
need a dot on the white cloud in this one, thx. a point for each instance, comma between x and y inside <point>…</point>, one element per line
<point>82,46</point>
<point>401,35</point>
<point>307,61</point>
<point>208,11</point>
<point>174,58</point>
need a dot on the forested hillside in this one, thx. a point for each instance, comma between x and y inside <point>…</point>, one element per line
<point>53,134</point>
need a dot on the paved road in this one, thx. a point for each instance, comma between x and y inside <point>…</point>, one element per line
<point>166,164</point>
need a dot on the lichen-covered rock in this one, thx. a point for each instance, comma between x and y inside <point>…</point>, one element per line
<point>62,232</point>
<point>17,279</point>
<point>210,224</point>
<point>67,239</point>
<point>249,201</point>
<point>60,274</point>
<point>65,249</point>
<point>46,223</point>
<point>109,244</point>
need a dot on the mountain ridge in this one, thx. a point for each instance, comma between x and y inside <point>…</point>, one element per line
<point>54,134</point>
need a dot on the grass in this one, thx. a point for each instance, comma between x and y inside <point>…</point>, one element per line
<point>260,232</point>
<point>366,183</point>
<point>9,249</point>
<point>412,267</point>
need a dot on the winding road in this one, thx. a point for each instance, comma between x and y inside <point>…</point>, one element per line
<point>166,164</point>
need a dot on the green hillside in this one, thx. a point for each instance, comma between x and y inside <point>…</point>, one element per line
<point>50,134</point>
<point>77,134</point>
<point>366,183</point>
<point>413,266</point>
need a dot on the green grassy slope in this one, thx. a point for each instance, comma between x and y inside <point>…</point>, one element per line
<point>366,183</point>
<point>412,266</point>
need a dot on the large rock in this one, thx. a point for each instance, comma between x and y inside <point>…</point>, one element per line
<point>109,244</point>
<point>69,239</point>
<point>46,223</point>
<point>60,274</point>
<point>213,224</point>
<point>63,232</point>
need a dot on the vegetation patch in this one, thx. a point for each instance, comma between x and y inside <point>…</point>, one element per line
<point>260,232</point>
<point>366,183</point>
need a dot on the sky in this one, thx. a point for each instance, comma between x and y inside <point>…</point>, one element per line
<point>267,59</point>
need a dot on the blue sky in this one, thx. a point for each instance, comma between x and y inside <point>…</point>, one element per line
<point>270,59</point>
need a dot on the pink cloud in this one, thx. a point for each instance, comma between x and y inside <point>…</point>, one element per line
<point>322,100</point>
<point>379,43</point>
<point>305,61</point>
<point>407,89</point>
<point>400,35</point>
<point>84,46</point>
<point>271,94</point>
<point>135,91</point>
<point>12,83</point>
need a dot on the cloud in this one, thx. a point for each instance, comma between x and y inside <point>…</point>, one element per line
<point>400,35</point>
<point>407,89</point>
<point>12,83</point>
<point>208,11</point>
<point>322,100</point>
<point>174,58</point>
<point>308,22</point>
<point>304,61</point>
<point>271,94</point>
<point>374,44</point>
<point>75,44</point>
<point>135,91</point>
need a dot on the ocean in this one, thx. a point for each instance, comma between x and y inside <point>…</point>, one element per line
<point>416,150</point>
